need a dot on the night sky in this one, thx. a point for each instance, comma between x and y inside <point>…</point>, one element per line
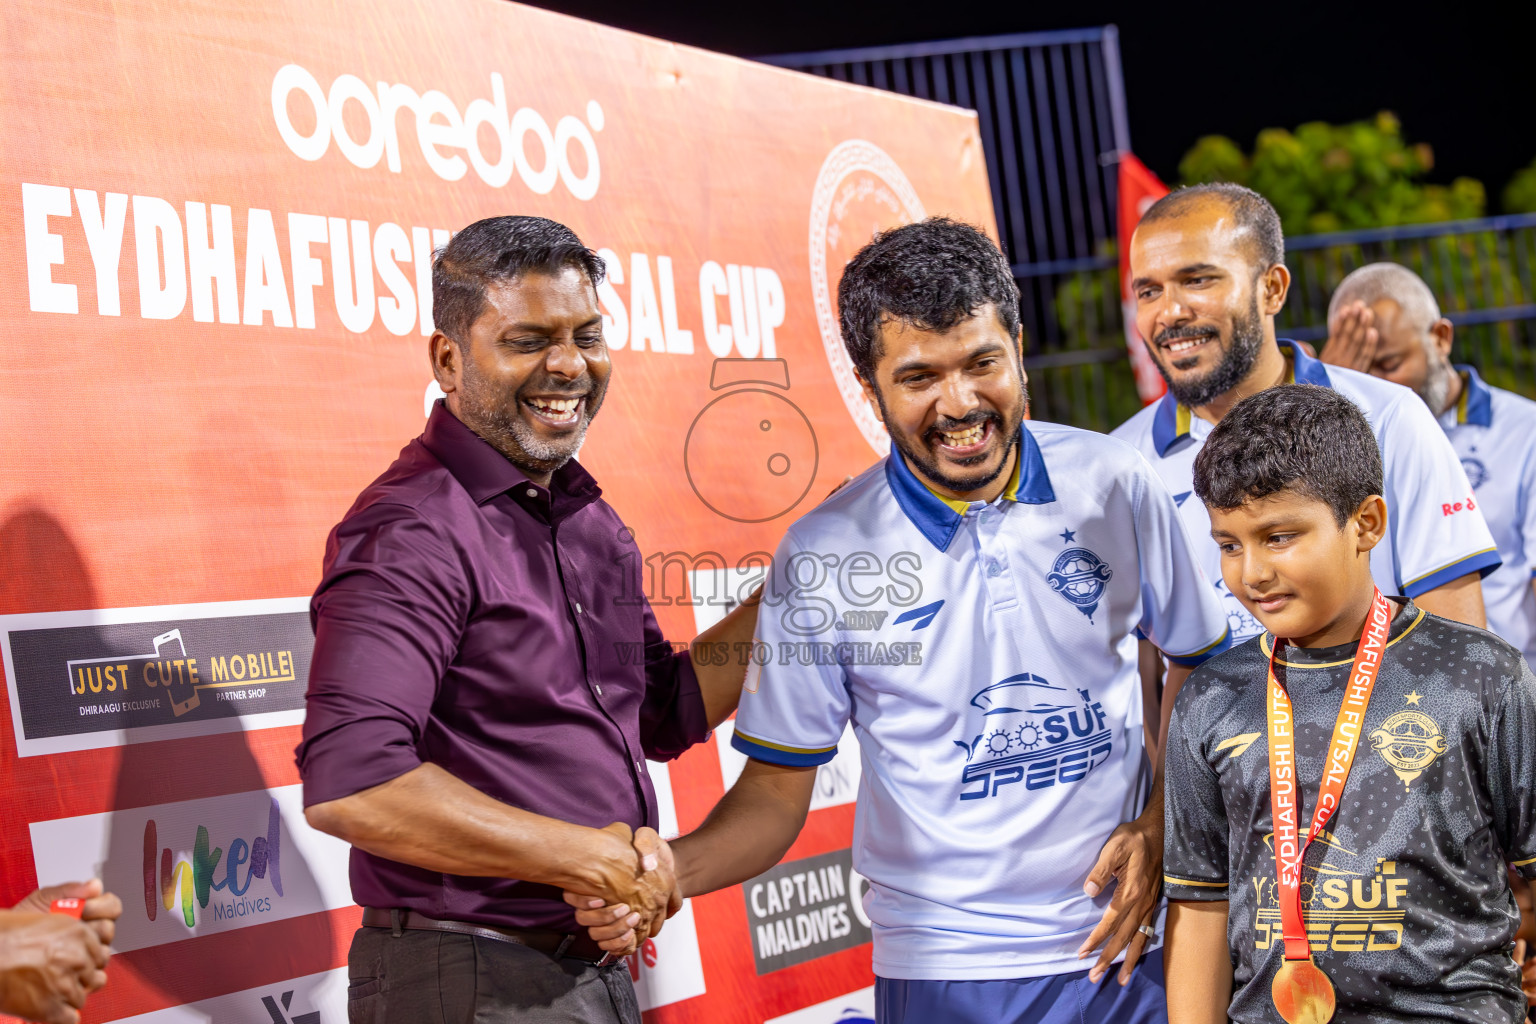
<point>1461,76</point>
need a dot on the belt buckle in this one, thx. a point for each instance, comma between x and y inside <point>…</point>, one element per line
<point>602,961</point>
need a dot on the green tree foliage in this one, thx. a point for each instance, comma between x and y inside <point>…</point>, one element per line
<point>1324,177</point>
<point>1520,193</point>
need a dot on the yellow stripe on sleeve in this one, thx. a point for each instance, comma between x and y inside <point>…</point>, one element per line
<point>780,746</point>
<point>1190,881</point>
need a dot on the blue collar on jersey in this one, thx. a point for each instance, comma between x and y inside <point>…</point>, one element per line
<point>1171,421</point>
<point>1475,406</point>
<point>938,518</point>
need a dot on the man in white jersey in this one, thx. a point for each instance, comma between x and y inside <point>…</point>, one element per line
<point>971,605</point>
<point>1385,321</point>
<point>1208,277</point>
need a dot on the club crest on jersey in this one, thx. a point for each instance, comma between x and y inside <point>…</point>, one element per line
<point>1409,741</point>
<point>1477,472</point>
<point>1031,731</point>
<point>1080,576</point>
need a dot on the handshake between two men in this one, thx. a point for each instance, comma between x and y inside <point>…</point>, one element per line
<point>637,899</point>
<point>482,639</point>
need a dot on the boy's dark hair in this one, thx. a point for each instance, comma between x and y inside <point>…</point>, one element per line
<point>1249,209</point>
<point>931,275</point>
<point>500,249</point>
<point>1297,437</point>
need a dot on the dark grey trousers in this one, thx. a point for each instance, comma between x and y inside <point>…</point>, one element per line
<point>422,977</point>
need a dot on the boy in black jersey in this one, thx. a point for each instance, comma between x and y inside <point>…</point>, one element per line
<point>1404,899</point>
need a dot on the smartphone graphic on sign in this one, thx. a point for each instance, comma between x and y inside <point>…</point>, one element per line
<point>178,689</point>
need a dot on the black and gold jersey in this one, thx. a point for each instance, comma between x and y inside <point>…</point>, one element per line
<point>1407,903</point>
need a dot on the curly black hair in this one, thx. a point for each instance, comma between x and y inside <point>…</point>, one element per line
<point>931,275</point>
<point>1296,437</point>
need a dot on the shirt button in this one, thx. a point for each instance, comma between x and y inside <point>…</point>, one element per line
<point>578,607</point>
<point>598,688</point>
<point>994,568</point>
<point>532,493</point>
<point>639,767</point>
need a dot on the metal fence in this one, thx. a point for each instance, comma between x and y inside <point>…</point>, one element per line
<point>1051,107</point>
<point>1481,271</point>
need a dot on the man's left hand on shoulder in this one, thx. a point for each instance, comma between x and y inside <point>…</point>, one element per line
<point>1133,859</point>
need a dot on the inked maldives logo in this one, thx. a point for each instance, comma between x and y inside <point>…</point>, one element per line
<point>194,882</point>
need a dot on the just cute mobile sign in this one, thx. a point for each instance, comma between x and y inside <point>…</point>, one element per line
<point>216,232</point>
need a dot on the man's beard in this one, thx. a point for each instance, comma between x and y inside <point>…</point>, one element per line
<point>930,467</point>
<point>1236,361</point>
<point>1436,389</point>
<point>487,413</point>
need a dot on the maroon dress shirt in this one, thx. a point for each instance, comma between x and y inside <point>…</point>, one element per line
<point>469,618</point>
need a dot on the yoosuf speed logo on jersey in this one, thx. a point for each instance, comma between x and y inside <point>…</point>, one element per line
<point>1353,905</point>
<point>1080,576</point>
<point>1034,732</point>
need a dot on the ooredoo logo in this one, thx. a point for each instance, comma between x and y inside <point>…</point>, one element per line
<point>566,154</point>
<point>1450,508</point>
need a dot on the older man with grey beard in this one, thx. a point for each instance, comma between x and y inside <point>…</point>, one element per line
<point>1384,320</point>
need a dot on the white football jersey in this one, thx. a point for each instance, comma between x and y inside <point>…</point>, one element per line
<point>986,655</point>
<point>1435,531</point>
<point>1494,434</point>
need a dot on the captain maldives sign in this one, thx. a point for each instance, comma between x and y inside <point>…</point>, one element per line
<point>88,679</point>
<point>803,909</point>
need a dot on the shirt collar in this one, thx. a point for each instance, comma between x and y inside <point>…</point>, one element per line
<point>939,518</point>
<point>1475,406</point>
<point>1171,422</point>
<point>485,473</point>
<point>1304,369</point>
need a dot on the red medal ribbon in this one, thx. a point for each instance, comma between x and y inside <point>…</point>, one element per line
<point>1284,789</point>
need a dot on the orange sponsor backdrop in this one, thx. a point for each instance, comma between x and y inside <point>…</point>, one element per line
<point>215,225</point>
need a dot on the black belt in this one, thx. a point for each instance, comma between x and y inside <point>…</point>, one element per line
<point>577,946</point>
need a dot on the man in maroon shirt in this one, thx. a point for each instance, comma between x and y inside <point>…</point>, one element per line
<point>488,680</point>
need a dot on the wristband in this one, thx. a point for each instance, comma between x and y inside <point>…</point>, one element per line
<point>69,906</point>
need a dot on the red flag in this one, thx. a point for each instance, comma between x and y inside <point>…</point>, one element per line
<point>1139,189</point>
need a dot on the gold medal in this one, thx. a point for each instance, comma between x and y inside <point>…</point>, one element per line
<point>1302,993</point>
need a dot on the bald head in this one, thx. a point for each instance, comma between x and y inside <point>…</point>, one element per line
<point>1413,341</point>
<point>1251,216</point>
<point>1376,281</point>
